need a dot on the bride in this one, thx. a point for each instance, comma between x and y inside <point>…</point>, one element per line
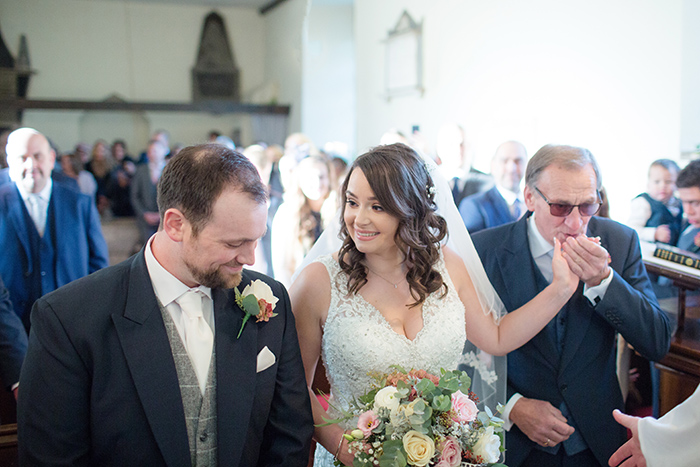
<point>394,294</point>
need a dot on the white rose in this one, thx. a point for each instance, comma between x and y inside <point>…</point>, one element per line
<point>386,397</point>
<point>261,291</point>
<point>488,446</point>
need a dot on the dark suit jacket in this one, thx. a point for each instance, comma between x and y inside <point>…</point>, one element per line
<point>80,248</point>
<point>99,384</point>
<point>13,340</point>
<point>584,375</point>
<point>484,210</point>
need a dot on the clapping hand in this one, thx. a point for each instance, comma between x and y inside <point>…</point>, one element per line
<point>587,259</point>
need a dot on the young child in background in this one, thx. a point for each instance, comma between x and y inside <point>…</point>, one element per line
<point>657,214</point>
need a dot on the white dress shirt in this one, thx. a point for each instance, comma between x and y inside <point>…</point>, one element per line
<point>168,288</point>
<point>38,213</point>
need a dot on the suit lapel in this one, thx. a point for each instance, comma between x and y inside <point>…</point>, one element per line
<point>521,288</point>
<point>17,218</point>
<point>149,357</point>
<point>236,361</point>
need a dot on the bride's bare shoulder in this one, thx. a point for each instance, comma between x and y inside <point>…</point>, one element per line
<point>454,264</point>
<point>312,287</point>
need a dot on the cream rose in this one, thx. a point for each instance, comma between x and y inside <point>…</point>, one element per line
<point>488,446</point>
<point>420,449</point>
<point>262,291</point>
<point>386,397</point>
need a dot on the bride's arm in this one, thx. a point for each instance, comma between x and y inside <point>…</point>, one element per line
<point>519,326</point>
<point>310,295</point>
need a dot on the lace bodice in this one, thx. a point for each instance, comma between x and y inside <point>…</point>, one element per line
<point>357,339</point>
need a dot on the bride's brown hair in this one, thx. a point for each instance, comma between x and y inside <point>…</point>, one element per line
<point>402,185</point>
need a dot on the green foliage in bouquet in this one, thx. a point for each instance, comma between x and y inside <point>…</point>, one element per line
<point>413,418</point>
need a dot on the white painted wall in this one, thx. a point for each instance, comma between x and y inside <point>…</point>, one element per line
<point>328,84</point>
<point>601,74</point>
<point>89,50</point>
<point>283,57</point>
<point>690,78</point>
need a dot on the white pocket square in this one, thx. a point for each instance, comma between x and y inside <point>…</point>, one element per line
<point>265,359</point>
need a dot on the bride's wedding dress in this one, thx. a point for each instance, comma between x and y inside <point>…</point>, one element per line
<point>358,341</point>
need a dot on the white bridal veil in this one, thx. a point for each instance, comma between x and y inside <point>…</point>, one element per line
<point>488,372</point>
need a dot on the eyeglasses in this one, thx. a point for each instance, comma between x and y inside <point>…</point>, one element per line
<point>563,210</point>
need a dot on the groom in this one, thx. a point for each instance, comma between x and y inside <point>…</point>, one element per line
<point>142,363</point>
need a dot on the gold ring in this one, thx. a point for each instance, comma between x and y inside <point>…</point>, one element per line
<point>546,443</point>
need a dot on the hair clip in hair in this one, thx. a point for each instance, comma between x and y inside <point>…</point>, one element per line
<point>431,189</point>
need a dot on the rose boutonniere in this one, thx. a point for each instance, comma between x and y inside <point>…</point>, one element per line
<point>257,300</point>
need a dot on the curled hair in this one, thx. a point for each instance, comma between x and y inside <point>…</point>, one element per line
<point>402,185</point>
<point>193,180</point>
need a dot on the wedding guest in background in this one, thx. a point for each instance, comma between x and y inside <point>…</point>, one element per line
<point>143,190</point>
<point>122,157</point>
<point>100,166</point>
<point>688,183</point>
<point>392,295</point>
<point>503,203</point>
<point>159,135</point>
<point>73,167</point>
<point>213,134</point>
<point>670,440</point>
<point>455,160</point>
<point>50,235</point>
<point>263,252</point>
<point>657,214</point>
<point>562,385</point>
<point>4,133</point>
<point>308,207</point>
<point>119,186</point>
<point>150,362</point>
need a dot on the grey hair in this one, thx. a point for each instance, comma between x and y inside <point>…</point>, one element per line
<point>567,157</point>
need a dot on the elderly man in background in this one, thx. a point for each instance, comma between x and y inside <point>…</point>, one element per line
<point>503,203</point>
<point>50,235</point>
<point>562,384</point>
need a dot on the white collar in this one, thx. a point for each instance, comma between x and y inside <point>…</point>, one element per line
<point>508,195</point>
<point>44,194</point>
<point>538,245</point>
<point>167,287</point>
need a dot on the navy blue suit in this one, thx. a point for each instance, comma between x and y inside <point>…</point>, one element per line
<point>583,374</point>
<point>13,340</point>
<point>485,210</point>
<point>72,245</point>
<point>99,384</point>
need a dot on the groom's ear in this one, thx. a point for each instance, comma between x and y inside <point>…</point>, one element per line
<point>175,224</point>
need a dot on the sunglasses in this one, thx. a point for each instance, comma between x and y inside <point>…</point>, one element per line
<point>563,210</point>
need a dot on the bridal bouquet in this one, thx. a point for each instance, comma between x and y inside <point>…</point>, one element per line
<point>413,418</point>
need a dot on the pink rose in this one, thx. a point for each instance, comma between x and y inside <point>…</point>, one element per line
<point>451,453</point>
<point>465,408</point>
<point>368,421</point>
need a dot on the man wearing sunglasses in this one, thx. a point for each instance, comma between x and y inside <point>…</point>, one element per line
<point>562,385</point>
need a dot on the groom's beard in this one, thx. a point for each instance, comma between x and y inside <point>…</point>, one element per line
<point>214,278</point>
